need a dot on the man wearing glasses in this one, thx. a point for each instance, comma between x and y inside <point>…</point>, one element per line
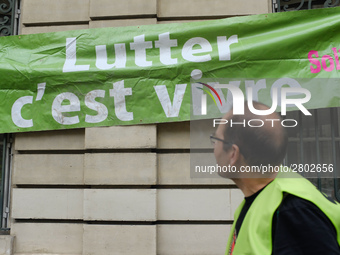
<point>282,213</point>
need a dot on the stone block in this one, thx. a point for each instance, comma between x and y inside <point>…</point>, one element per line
<point>174,169</point>
<point>210,8</point>
<point>50,11</point>
<point>48,29</point>
<point>200,131</point>
<point>70,139</point>
<point>119,239</point>
<point>117,8</point>
<point>121,137</point>
<point>6,244</point>
<point>192,239</point>
<point>120,204</point>
<point>173,135</point>
<point>122,22</point>
<point>47,203</point>
<point>193,204</point>
<point>47,238</point>
<point>120,168</point>
<point>236,197</point>
<point>65,169</point>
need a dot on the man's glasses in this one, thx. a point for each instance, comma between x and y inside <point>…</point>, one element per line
<point>213,140</point>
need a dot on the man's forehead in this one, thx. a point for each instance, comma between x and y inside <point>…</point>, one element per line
<point>220,130</point>
<point>221,127</point>
<point>228,115</point>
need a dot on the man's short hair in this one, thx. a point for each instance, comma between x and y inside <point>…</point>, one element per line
<point>264,145</point>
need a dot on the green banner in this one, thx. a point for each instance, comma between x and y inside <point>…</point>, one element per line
<point>148,74</point>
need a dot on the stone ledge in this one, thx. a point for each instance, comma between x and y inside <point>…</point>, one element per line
<point>6,244</point>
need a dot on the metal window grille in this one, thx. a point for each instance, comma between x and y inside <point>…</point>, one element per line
<point>9,15</point>
<point>295,5</point>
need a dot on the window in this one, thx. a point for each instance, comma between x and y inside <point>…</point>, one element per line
<point>6,159</point>
<point>9,15</point>
<point>316,139</point>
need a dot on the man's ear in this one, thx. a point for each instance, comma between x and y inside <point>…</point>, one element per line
<point>235,155</point>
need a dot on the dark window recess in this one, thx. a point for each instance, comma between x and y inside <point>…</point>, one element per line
<point>6,162</point>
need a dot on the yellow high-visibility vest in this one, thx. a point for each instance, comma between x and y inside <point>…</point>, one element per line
<point>255,235</point>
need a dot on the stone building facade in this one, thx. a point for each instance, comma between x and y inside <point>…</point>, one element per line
<point>117,190</point>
